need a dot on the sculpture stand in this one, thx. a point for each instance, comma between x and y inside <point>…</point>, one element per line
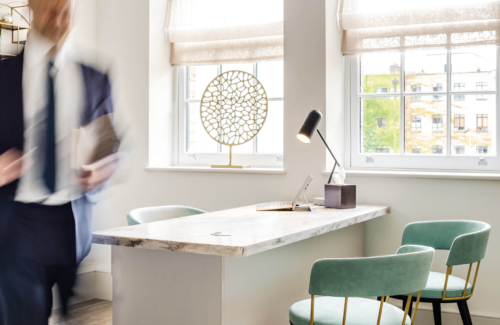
<point>230,162</point>
<point>233,110</point>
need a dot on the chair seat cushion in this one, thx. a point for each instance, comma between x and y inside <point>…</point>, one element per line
<point>435,286</point>
<point>360,311</point>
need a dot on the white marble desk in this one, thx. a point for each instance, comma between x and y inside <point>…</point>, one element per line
<point>185,275</point>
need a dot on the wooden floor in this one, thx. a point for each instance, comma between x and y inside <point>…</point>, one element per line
<point>92,312</point>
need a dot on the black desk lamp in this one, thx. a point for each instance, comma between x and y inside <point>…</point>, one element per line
<point>307,131</point>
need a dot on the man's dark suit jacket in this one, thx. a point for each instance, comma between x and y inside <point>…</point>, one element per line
<point>98,102</point>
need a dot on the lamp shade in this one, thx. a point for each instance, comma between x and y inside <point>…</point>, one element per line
<point>310,126</point>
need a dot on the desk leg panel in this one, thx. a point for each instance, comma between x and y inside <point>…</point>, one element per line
<point>162,287</point>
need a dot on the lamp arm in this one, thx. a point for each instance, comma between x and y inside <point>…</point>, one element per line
<point>333,171</point>
<point>327,147</point>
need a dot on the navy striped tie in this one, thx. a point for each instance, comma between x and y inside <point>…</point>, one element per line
<point>49,168</point>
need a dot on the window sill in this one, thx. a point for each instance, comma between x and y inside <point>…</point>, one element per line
<point>420,174</point>
<point>206,169</point>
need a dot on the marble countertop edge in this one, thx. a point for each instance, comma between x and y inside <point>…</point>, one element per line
<point>237,251</point>
<point>172,246</point>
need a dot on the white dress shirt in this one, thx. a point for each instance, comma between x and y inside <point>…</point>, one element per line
<point>69,99</point>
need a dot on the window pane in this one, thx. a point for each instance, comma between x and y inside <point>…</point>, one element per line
<point>425,125</point>
<point>198,79</point>
<point>198,139</point>
<point>475,68</point>
<point>242,148</point>
<point>380,125</point>
<point>475,133</point>
<point>270,138</point>
<point>246,67</point>
<point>380,73</point>
<point>270,74</point>
<point>425,71</point>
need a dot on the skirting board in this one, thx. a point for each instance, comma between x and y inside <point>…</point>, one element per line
<point>103,286</point>
<point>90,285</point>
<point>425,317</point>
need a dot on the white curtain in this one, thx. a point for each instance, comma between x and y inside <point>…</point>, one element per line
<point>224,31</point>
<point>385,25</point>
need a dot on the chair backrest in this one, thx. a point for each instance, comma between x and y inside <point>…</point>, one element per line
<point>403,273</point>
<point>152,214</point>
<point>466,240</point>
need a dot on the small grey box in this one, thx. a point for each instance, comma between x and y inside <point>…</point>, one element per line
<point>340,196</point>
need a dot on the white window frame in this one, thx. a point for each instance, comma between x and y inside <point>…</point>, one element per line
<point>185,158</point>
<point>400,161</point>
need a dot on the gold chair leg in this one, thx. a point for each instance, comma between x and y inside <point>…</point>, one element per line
<point>345,311</point>
<point>416,308</point>
<point>312,310</point>
<point>408,302</point>
<point>380,310</point>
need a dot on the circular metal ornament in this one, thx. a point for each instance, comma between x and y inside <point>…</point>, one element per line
<point>234,108</point>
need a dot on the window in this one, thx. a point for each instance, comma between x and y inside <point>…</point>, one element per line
<point>482,122</point>
<point>416,150</point>
<point>437,128</point>
<point>482,149</point>
<point>459,150</point>
<point>459,86</point>
<point>381,122</point>
<point>437,149</point>
<point>416,123</point>
<point>437,123</point>
<point>382,90</point>
<point>197,147</point>
<point>416,89</point>
<point>437,87</point>
<point>481,86</point>
<point>459,122</point>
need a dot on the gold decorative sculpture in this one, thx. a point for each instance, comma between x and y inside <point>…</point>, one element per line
<point>233,110</point>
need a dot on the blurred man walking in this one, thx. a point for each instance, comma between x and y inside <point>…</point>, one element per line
<point>45,206</point>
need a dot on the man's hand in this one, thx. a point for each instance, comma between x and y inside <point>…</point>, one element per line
<point>11,166</point>
<point>97,173</point>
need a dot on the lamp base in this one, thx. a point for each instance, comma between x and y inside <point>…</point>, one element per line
<point>340,196</point>
<point>229,166</point>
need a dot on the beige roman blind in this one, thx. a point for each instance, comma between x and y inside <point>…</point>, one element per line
<point>385,25</point>
<point>224,31</point>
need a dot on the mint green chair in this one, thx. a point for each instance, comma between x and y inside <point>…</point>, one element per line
<point>337,280</point>
<point>152,214</point>
<point>466,241</point>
